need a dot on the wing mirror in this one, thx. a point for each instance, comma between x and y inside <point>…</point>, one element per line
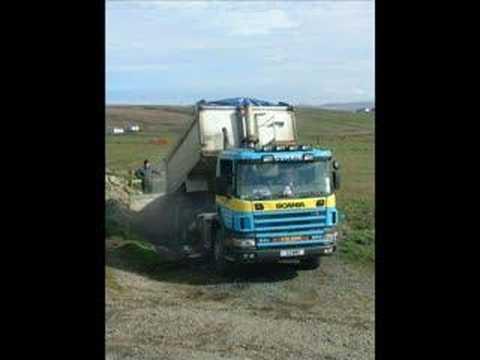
<point>336,180</point>
<point>336,174</point>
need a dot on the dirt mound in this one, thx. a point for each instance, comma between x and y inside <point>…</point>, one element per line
<point>159,141</point>
<point>150,222</point>
<point>116,188</point>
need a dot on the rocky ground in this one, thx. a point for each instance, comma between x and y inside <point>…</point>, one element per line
<point>184,311</point>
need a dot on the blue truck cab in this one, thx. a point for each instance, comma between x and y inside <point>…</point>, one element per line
<point>245,188</point>
<point>275,203</point>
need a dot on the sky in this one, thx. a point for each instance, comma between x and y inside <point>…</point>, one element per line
<point>178,52</point>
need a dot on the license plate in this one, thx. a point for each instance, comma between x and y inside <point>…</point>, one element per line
<point>292,252</point>
<point>291,238</point>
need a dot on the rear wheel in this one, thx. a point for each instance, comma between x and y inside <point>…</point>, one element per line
<point>310,263</point>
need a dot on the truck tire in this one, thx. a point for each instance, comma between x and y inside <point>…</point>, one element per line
<point>186,208</point>
<point>184,217</point>
<point>310,263</point>
<point>221,265</point>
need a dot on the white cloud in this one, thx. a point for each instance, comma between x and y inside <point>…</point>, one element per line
<point>256,23</point>
<point>276,58</point>
<point>235,18</point>
<point>135,68</point>
<point>304,49</point>
<point>169,5</point>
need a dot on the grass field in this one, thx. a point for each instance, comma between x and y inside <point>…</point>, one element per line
<point>349,135</point>
<point>159,124</point>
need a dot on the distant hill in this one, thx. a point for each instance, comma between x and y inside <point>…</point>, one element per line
<point>352,106</point>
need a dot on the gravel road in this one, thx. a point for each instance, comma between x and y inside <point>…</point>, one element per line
<point>184,311</point>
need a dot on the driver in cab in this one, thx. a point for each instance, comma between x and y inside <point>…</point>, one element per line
<point>288,179</point>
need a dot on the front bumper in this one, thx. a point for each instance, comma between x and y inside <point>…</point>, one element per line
<point>256,255</point>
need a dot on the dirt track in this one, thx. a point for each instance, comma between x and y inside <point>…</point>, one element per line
<point>183,311</point>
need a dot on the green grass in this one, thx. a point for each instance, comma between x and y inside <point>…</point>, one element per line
<point>358,230</point>
<point>349,135</point>
<point>140,256</point>
<point>127,152</point>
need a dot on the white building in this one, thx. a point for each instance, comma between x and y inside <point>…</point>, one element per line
<point>366,109</point>
<point>133,128</point>
<point>115,131</point>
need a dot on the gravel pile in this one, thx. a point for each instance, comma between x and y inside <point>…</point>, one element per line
<point>117,189</point>
<point>274,312</point>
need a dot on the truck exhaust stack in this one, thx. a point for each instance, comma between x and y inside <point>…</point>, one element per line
<point>252,127</point>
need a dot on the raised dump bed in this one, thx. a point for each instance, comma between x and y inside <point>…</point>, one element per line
<point>218,125</point>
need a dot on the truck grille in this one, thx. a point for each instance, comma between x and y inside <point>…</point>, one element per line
<point>296,223</point>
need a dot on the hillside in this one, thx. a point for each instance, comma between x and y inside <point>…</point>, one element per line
<point>350,106</point>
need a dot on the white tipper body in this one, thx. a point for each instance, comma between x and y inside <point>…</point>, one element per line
<point>215,128</point>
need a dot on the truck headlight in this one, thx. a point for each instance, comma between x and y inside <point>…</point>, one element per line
<point>331,235</point>
<point>308,157</point>
<point>243,243</point>
<point>268,158</point>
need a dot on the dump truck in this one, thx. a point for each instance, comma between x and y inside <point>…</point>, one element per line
<point>246,191</point>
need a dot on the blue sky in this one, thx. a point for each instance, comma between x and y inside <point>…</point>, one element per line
<point>178,52</point>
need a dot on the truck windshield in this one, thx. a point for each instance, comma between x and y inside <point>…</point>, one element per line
<point>257,181</point>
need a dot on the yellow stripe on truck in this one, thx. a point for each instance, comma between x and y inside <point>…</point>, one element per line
<point>271,205</point>
<point>331,201</point>
<point>234,204</point>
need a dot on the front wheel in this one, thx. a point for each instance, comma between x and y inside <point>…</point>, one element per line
<point>186,207</point>
<point>221,265</point>
<point>310,263</point>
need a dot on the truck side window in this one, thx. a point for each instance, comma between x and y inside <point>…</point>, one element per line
<point>226,170</point>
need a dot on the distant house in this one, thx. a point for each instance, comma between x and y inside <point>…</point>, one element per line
<point>133,128</point>
<point>115,131</point>
<point>365,110</point>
